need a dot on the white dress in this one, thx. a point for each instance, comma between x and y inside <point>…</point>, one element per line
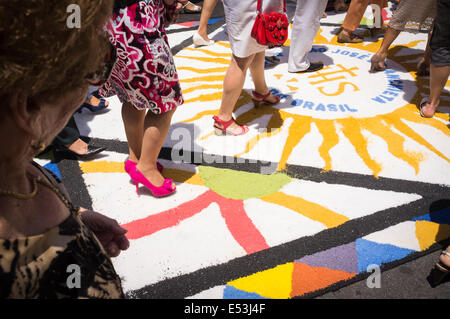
<point>240,16</point>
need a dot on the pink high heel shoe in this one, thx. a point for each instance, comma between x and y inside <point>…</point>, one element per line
<point>130,166</point>
<point>166,189</point>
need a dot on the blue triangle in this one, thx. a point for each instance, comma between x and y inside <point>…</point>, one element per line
<point>439,217</point>
<point>370,253</point>
<point>53,167</point>
<point>232,293</point>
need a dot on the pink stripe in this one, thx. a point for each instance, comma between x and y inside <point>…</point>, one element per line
<point>239,224</point>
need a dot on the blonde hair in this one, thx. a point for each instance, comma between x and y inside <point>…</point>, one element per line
<point>40,54</point>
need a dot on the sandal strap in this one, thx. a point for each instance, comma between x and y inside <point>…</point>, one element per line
<point>261,96</point>
<point>223,123</point>
<point>445,253</point>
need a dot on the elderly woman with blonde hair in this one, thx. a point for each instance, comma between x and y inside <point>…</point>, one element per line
<point>46,68</point>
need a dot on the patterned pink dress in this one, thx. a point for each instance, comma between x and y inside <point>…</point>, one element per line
<point>144,73</point>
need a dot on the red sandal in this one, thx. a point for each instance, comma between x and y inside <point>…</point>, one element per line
<point>259,98</point>
<point>223,130</point>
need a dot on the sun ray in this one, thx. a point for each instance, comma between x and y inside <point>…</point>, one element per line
<point>405,129</point>
<point>202,87</point>
<point>412,117</point>
<point>308,209</point>
<point>330,140</point>
<point>208,78</point>
<point>387,126</point>
<point>224,44</point>
<point>205,97</point>
<point>200,115</point>
<point>296,134</point>
<point>395,144</point>
<point>352,130</point>
<point>205,59</point>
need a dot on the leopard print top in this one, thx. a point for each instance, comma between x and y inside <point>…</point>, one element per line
<point>67,261</point>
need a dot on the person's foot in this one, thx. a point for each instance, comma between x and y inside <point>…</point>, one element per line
<point>427,109</point>
<point>445,259</point>
<point>313,67</point>
<point>94,101</point>
<point>189,7</point>
<point>79,150</point>
<point>348,37</point>
<point>153,175</point>
<point>201,40</point>
<point>228,127</point>
<point>79,147</point>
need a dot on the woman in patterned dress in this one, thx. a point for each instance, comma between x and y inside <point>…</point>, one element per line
<point>48,249</point>
<point>145,79</point>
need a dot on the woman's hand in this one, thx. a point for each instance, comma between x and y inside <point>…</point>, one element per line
<point>108,231</point>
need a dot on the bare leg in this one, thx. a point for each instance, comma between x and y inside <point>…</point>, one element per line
<point>257,71</point>
<point>156,128</point>
<point>133,120</point>
<point>232,87</point>
<point>438,77</point>
<point>423,67</point>
<point>352,19</point>
<point>208,8</point>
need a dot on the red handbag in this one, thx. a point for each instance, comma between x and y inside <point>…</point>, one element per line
<point>270,29</point>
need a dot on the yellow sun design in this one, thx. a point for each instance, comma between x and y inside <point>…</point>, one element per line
<point>389,126</point>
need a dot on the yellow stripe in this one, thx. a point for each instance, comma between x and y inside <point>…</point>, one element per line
<point>208,71</point>
<point>177,175</point>
<point>204,137</point>
<point>224,44</point>
<point>308,209</point>
<point>200,115</point>
<point>102,167</point>
<point>212,53</point>
<point>202,87</point>
<point>208,78</point>
<point>209,60</point>
<point>205,97</point>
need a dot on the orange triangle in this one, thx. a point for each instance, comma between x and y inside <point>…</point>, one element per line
<point>308,279</point>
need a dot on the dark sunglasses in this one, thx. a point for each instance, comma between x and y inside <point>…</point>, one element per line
<point>103,73</point>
